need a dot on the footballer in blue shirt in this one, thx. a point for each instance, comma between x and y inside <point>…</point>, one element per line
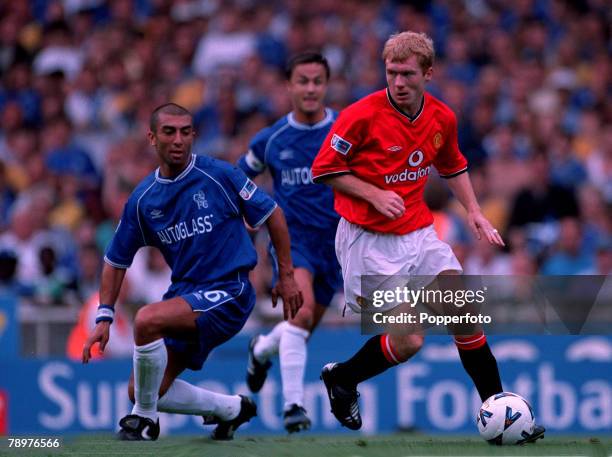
<point>193,209</point>
<point>287,149</point>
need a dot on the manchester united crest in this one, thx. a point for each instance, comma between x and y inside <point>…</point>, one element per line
<point>437,140</point>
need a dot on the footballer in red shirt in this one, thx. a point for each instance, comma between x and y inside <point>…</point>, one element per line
<point>377,157</point>
<point>378,142</point>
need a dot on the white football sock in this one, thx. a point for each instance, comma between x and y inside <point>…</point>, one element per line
<point>292,350</point>
<point>149,365</point>
<point>185,398</point>
<point>267,345</point>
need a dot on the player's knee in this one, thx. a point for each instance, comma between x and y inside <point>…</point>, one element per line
<point>140,321</point>
<point>147,321</point>
<point>304,318</point>
<point>405,346</point>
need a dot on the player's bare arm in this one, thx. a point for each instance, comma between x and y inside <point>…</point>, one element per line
<point>110,284</point>
<point>286,287</point>
<point>461,187</point>
<point>386,202</point>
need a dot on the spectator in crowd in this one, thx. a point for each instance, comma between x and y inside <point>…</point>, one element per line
<point>569,256</point>
<point>603,261</point>
<point>150,268</point>
<point>58,53</point>
<point>541,200</point>
<point>8,270</point>
<point>7,195</point>
<point>89,270</point>
<point>56,285</point>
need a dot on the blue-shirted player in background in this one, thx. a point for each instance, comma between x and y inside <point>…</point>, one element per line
<point>287,149</point>
<point>193,209</point>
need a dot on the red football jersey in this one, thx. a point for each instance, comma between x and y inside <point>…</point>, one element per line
<point>375,141</point>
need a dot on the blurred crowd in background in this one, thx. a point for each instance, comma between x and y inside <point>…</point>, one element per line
<point>530,81</point>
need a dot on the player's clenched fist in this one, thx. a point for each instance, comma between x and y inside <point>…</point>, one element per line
<point>100,335</point>
<point>388,203</point>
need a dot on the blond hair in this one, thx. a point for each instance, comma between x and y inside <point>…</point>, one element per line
<point>401,46</point>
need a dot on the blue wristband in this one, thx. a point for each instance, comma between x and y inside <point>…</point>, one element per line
<point>105,313</point>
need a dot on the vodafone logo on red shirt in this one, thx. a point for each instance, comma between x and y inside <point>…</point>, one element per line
<point>414,160</point>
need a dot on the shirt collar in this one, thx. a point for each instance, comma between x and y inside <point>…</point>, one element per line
<point>184,173</point>
<point>329,115</point>
<point>402,112</point>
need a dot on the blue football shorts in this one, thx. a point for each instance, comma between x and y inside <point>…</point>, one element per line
<point>222,308</point>
<point>317,254</point>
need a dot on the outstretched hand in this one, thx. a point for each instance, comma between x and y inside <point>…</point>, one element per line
<point>482,227</point>
<point>100,334</point>
<point>292,297</point>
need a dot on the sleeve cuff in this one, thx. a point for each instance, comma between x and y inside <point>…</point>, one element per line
<point>452,175</point>
<point>115,264</point>
<point>317,178</point>
<point>263,219</point>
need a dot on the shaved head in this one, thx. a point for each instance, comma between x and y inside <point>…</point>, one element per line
<point>167,108</point>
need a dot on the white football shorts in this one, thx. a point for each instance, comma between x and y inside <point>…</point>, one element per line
<point>419,255</point>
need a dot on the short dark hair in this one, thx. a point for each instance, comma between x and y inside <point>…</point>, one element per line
<point>167,108</point>
<point>306,57</point>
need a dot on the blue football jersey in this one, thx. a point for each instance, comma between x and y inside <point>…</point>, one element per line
<point>196,221</point>
<point>288,149</point>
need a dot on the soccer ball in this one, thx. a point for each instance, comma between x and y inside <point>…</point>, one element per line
<point>505,418</point>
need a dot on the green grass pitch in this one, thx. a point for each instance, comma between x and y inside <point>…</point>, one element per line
<point>305,445</point>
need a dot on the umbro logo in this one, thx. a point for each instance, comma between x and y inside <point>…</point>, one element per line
<point>156,214</point>
<point>395,148</point>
